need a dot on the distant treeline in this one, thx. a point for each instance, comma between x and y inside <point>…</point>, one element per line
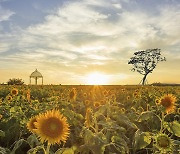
<point>165,84</point>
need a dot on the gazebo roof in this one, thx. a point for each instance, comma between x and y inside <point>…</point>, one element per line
<point>36,73</point>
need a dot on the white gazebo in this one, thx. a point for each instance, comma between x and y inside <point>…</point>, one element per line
<point>36,75</point>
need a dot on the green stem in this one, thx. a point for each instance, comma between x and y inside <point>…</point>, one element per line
<point>162,122</point>
<point>96,125</point>
<point>47,149</point>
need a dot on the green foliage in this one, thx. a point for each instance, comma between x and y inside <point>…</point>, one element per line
<point>20,147</point>
<point>4,92</point>
<point>15,81</point>
<point>4,150</point>
<point>118,125</point>
<point>66,150</point>
<point>174,128</point>
<point>145,116</point>
<point>141,140</point>
<point>2,133</point>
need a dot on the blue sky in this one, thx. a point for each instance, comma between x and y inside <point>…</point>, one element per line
<point>67,40</point>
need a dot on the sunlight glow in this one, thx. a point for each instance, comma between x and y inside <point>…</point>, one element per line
<point>97,78</point>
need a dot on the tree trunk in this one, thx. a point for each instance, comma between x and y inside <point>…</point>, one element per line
<point>144,79</point>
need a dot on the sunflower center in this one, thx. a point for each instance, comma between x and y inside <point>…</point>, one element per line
<point>9,98</point>
<point>14,92</point>
<point>166,102</point>
<point>52,127</point>
<point>96,104</point>
<point>163,141</point>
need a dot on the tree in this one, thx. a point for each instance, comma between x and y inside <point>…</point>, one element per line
<point>15,82</point>
<point>145,61</point>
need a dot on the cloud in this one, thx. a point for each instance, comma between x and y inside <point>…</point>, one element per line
<point>83,36</point>
<point>4,46</point>
<point>5,14</point>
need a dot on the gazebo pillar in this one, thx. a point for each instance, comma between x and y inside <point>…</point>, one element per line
<point>36,80</point>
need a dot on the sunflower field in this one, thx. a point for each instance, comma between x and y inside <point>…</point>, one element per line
<point>89,119</point>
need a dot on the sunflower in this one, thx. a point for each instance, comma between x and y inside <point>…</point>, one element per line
<point>73,94</point>
<point>123,90</point>
<point>31,124</point>
<point>102,102</point>
<point>163,142</point>
<point>157,101</point>
<point>123,110</point>
<point>87,102</point>
<point>136,90</point>
<point>97,104</point>
<point>9,98</point>
<point>85,95</point>
<point>14,91</point>
<point>52,127</point>
<point>168,102</point>
<point>88,117</point>
<point>135,94</point>
<point>28,95</point>
<point>105,93</point>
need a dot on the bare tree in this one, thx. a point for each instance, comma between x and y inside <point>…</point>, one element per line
<point>145,61</point>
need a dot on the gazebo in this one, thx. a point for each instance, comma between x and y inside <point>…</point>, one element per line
<point>36,75</point>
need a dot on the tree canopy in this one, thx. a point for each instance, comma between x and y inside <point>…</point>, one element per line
<point>15,81</point>
<point>145,61</point>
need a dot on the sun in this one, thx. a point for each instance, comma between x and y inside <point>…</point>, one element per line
<point>97,78</point>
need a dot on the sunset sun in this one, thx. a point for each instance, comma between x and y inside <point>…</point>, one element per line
<point>97,78</point>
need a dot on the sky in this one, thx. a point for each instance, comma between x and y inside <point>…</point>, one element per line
<point>69,40</point>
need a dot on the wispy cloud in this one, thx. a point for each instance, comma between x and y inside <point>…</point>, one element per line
<point>5,14</point>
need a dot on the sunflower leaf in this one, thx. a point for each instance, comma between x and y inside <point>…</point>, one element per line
<point>66,150</point>
<point>33,141</point>
<point>2,133</point>
<point>4,150</point>
<point>145,116</point>
<point>174,127</point>
<point>20,146</point>
<point>36,150</point>
<point>142,139</point>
